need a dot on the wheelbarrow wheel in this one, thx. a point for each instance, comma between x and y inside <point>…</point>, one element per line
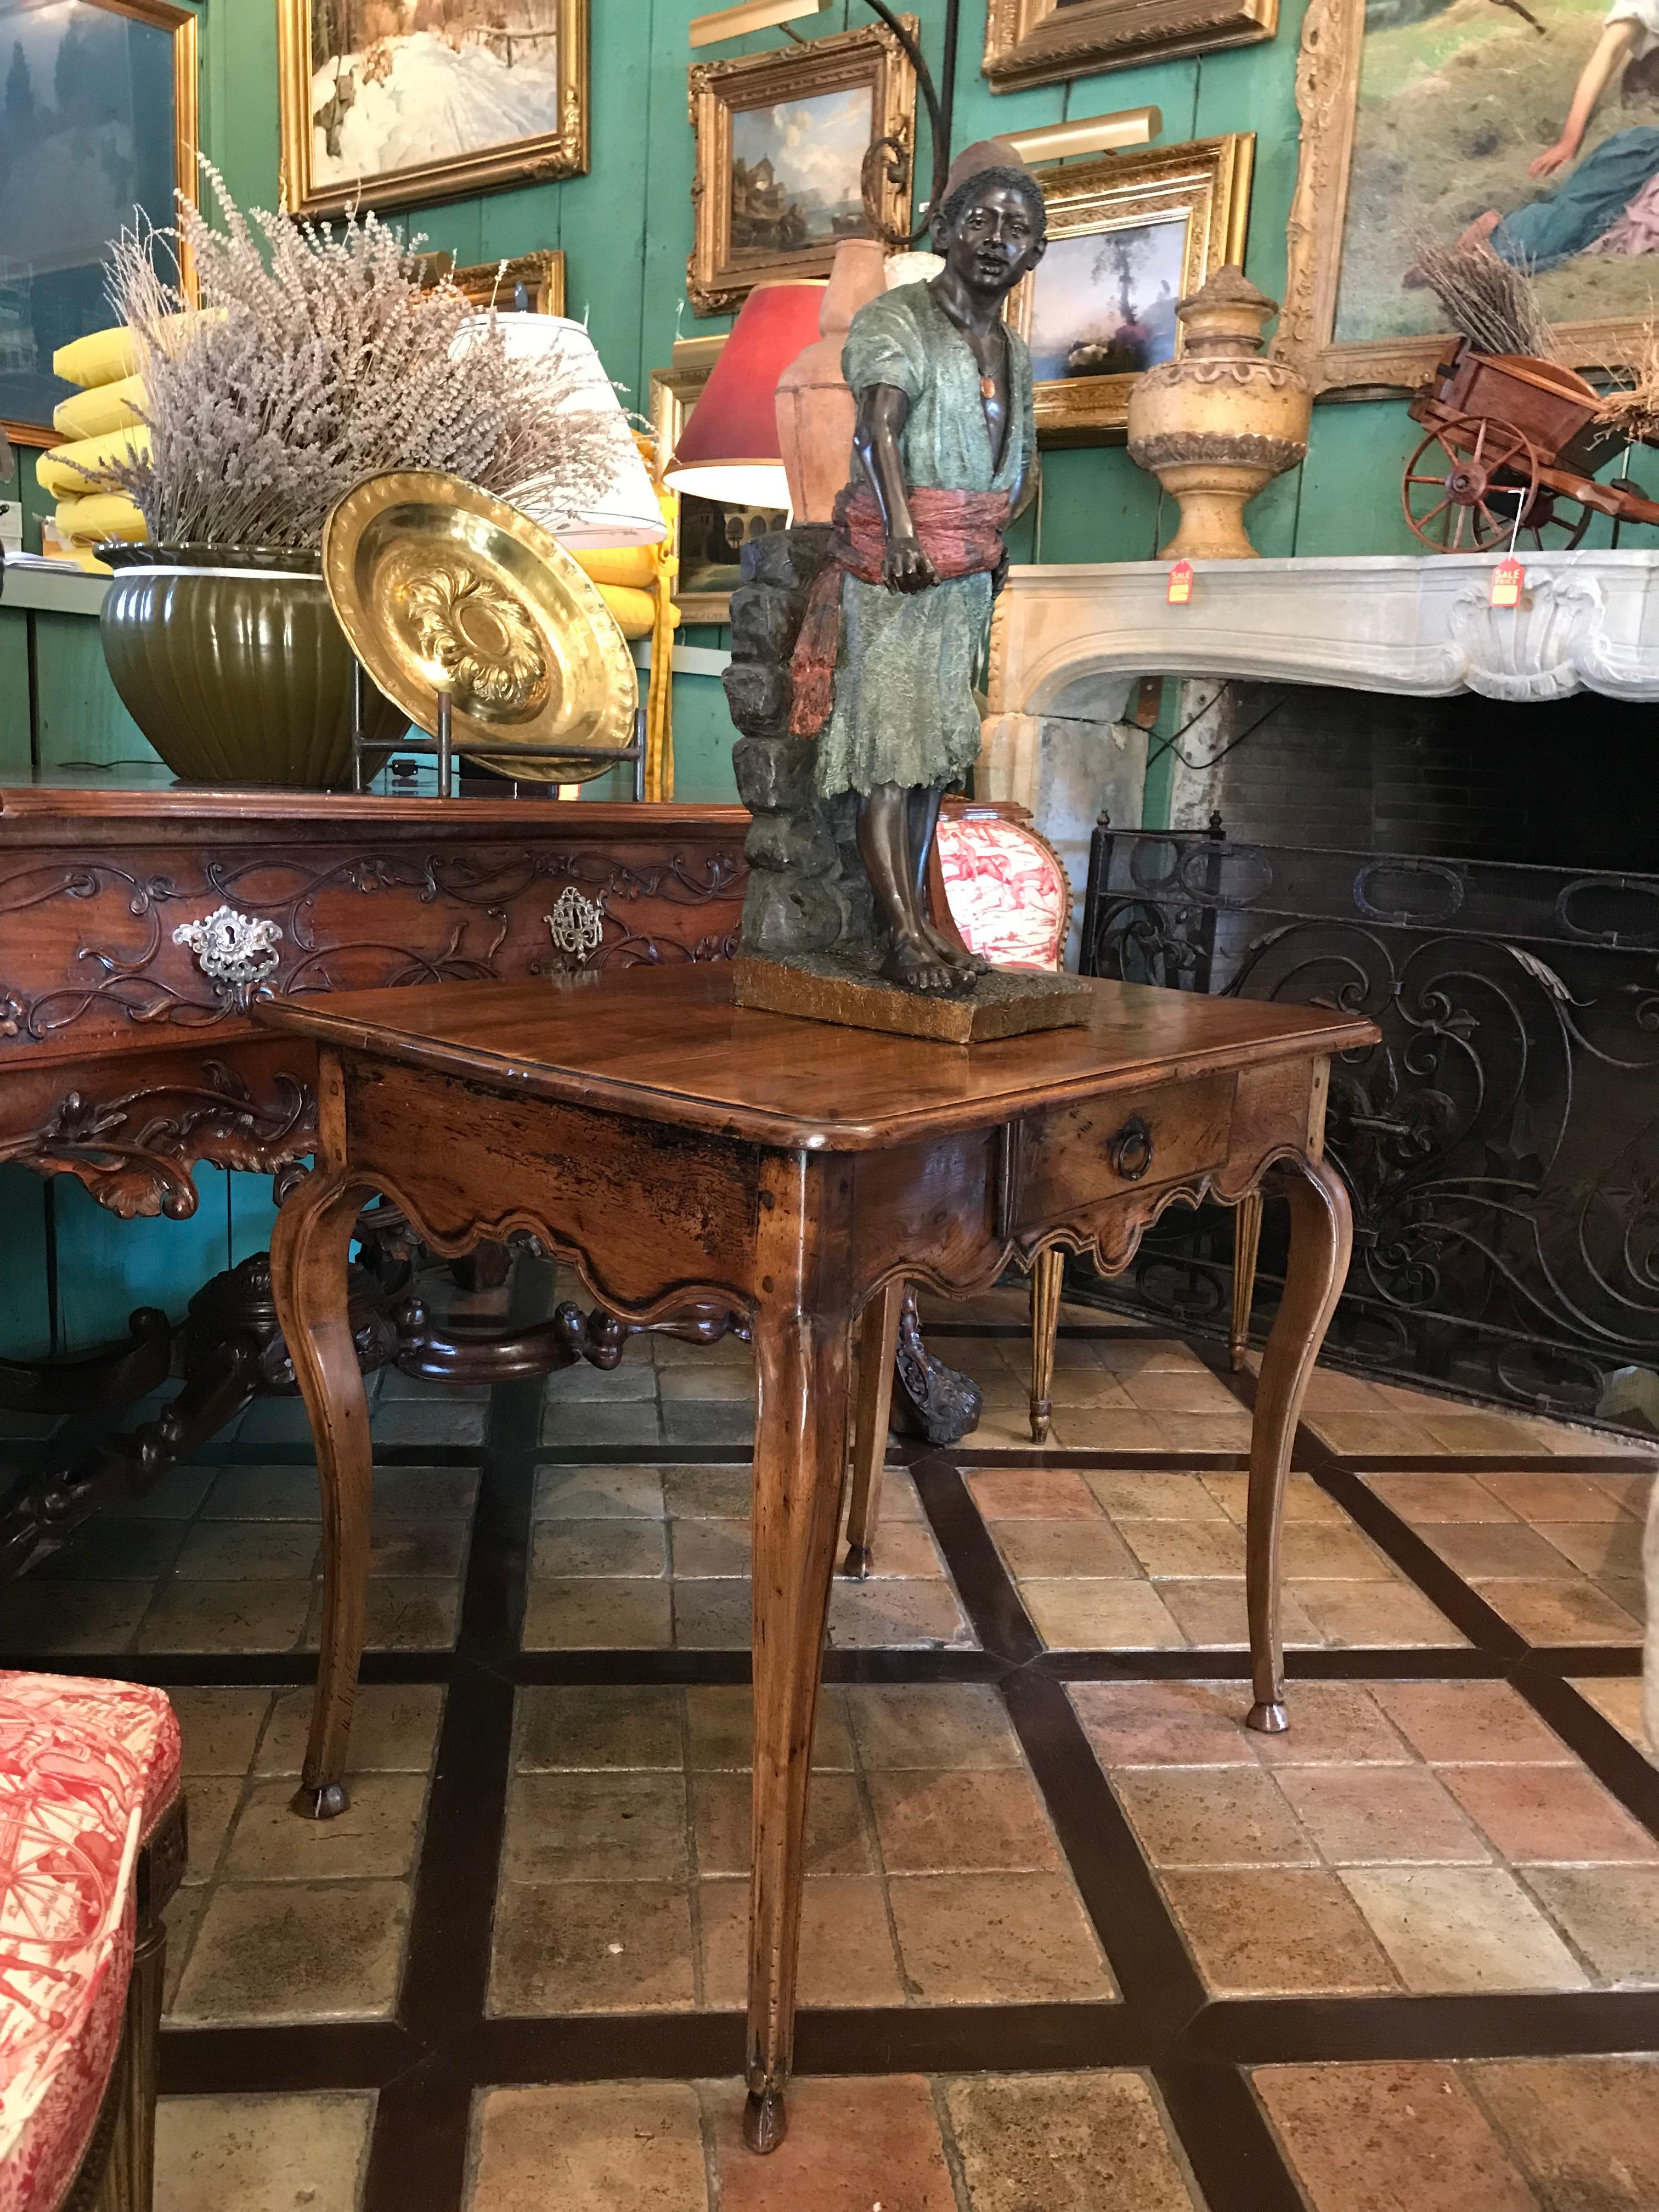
<point>1464,484</point>
<point>1555,522</point>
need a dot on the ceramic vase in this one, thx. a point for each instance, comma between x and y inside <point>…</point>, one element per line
<point>816,410</point>
<point>1221,422</point>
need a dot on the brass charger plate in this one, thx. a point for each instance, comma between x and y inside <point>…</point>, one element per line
<point>440,586</point>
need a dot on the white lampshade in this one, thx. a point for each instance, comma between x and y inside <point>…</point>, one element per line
<point>630,513</point>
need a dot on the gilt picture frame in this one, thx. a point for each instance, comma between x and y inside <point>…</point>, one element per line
<point>781,138</point>
<point>480,102</point>
<point>1351,319</point>
<point>1129,237</point>
<point>708,534</point>
<point>143,53</point>
<point>494,283</point>
<point>1046,41</point>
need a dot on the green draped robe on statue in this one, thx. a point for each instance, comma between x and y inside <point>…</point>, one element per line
<point>904,710</point>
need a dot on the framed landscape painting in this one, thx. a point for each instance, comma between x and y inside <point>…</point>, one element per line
<point>783,139</point>
<point>1129,237</point>
<point>1449,119</point>
<point>97,125</point>
<point>1043,41</point>
<point>386,103</point>
<point>712,532</point>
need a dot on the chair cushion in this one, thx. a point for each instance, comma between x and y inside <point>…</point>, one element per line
<point>1008,893</point>
<point>86,1771</point>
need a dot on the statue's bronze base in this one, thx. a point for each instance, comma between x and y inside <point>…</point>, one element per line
<point>821,988</point>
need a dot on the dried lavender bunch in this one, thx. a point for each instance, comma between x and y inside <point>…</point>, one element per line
<point>323,360</point>
<point>1492,303</point>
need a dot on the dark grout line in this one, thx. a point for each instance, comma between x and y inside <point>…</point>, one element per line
<point>1487,2024</point>
<point>983,1584</point>
<point>1488,1463</point>
<point>1018,1459</point>
<point>1406,1662</point>
<point>200,2062</point>
<point>1465,1609</point>
<point>1234,2152</point>
<point>1610,1756</point>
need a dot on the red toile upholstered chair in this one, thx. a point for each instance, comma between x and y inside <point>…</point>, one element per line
<point>92,1847</point>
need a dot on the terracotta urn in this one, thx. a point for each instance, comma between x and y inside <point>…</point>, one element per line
<point>1218,424</point>
<point>816,410</point>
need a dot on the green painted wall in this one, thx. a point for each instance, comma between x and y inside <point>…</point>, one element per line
<point>626,230</point>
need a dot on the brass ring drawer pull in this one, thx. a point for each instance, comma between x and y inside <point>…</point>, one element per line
<point>1130,1151</point>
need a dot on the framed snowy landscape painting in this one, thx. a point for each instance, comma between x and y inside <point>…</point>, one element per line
<point>386,103</point>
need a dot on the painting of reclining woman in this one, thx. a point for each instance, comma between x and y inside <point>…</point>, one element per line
<point>386,101</point>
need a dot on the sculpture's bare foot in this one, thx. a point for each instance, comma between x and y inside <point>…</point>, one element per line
<point>918,964</point>
<point>954,956</point>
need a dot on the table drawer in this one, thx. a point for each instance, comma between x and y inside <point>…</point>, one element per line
<point>1170,1134</point>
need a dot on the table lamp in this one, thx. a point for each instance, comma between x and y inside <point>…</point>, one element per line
<point>729,449</point>
<point>629,512</point>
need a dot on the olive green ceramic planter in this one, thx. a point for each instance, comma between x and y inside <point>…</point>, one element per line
<point>236,669</point>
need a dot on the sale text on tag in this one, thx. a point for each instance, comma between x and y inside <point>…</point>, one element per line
<point>1507,578</point>
<point>1180,583</point>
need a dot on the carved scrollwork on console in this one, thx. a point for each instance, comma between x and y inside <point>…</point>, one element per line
<point>134,1151</point>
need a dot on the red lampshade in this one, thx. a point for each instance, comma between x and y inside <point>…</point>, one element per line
<point>729,449</point>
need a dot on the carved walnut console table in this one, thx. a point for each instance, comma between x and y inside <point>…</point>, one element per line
<point>681,1150</point>
<point>138,928</point>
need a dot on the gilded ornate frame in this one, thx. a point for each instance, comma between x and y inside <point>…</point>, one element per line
<point>181,22</point>
<point>1043,41</point>
<point>1326,99</point>
<point>490,283</point>
<point>1208,181</point>
<point>719,279</point>
<point>552,154</point>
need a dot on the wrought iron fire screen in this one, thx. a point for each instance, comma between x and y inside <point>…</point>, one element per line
<point>1502,1142</point>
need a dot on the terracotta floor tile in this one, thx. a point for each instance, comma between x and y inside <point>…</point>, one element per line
<point>1562,1612</point>
<point>1088,1549</point>
<point>270,1952</point>
<point>1506,1550</point>
<point>214,1802</point>
<point>1204,1433</point>
<point>1600,1548</point>
<point>851,2145</point>
<point>1586,2131</point>
<point>962,1822</point>
<point>899,1500</point>
<point>1331,1391</point>
<point>919,1613</point>
<point>1549,1812</point>
<point>1374,1435</point>
<point>1629,1591</point>
<point>377,1835</point>
<point>1618,1699</point>
<point>220,1728</point>
<point>1390,2138</point>
<point>1463,1723</point>
<point>719,1723</point>
<point>405,1613</point>
<point>1104,1616</point>
<point>1610,1914</point>
<point>713,1545</point>
<point>250,1551</point>
<point>1633,1492</point>
<point>394,1729</point>
<point>1315,1550</point>
<point>264,1493</point>
<point>713,1616</point>
<point>1462,1928</point>
<point>601,1548</point>
<point>1179,1390</point>
<point>1370,1616</point>
<point>1167,1723</point>
<point>596,1494</point>
<point>847,1955</point>
<point>1129,1355</point>
<point>1031,1942</point>
<point>1156,1497</point>
<point>561,1614</point>
<point>1212,1615</point>
<point>1077,1428</point>
<point>1419,1498</point>
<point>601,1727</point>
<point>263,2153</point>
<point>1084,1387</point>
<point>1470,1430</point>
<point>592,1946</point>
<point>733,1384</point>
<point>588,2146</point>
<point>1276,1930</point>
<point>1375,1815</point>
<point>1043,1494</point>
<point>1553,1497</point>
<point>407,1546</point>
<point>905,1552</point>
<point>1210,1817</point>
<point>1065,2142</point>
<point>1333,1723</point>
<point>837,1835</point>
<point>725,1491</point>
<point>580,1827</point>
<point>1168,1548</point>
<point>932,1725</point>
<point>1008,1428</point>
<point>1304,1499</point>
<point>253,1616</point>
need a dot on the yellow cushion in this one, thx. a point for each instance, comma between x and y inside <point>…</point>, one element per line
<point>103,514</point>
<point>68,471</point>
<point>634,566</point>
<point>102,358</point>
<point>635,612</point>
<point>105,407</point>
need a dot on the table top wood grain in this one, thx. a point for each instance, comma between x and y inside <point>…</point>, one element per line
<point>668,1045</point>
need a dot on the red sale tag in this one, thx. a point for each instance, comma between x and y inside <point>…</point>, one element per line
<point>1507,578</point>
<point>1180,583</point>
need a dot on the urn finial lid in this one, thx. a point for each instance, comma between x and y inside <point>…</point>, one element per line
<point>1226,315</point>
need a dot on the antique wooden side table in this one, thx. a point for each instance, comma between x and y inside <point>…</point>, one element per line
<point>678,1150</point>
